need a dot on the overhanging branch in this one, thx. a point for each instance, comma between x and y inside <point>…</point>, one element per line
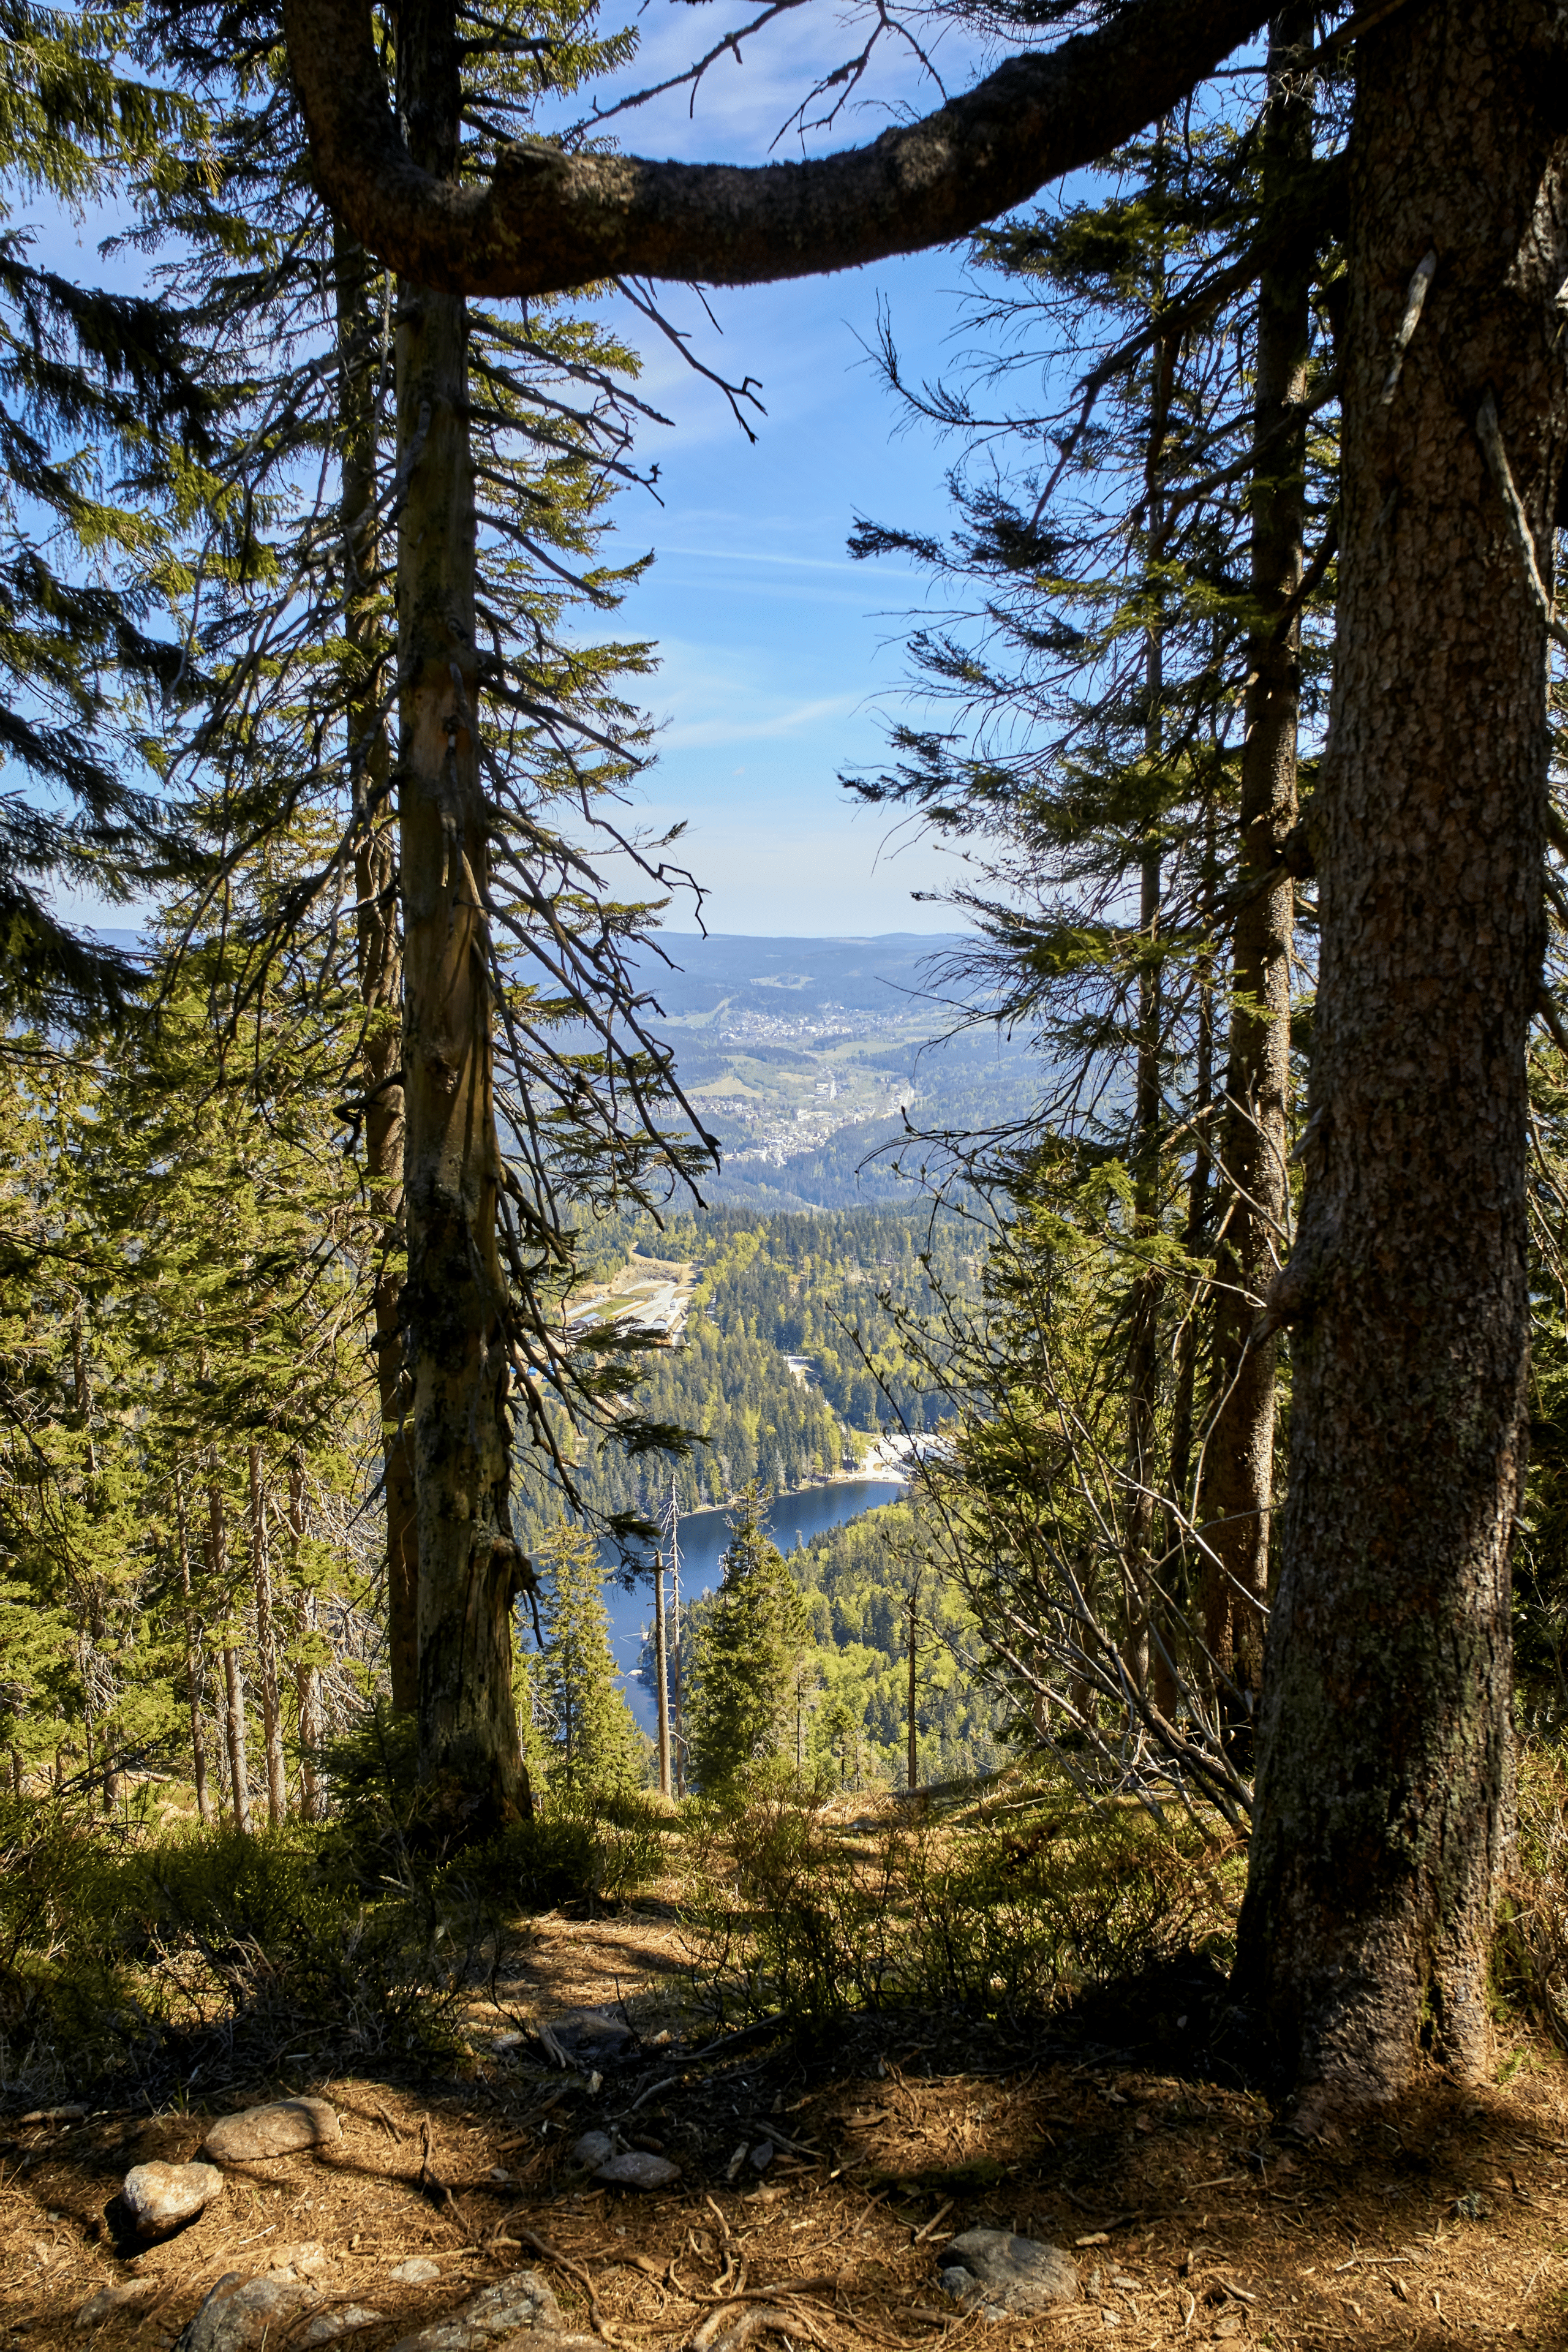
<point>549,221</point>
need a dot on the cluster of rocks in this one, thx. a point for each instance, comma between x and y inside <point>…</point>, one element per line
<point>159,2198</point>
<point>991,2271</point>
<point>242,2315</point>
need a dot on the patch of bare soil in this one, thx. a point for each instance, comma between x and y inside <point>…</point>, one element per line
<point>1189,2221</point>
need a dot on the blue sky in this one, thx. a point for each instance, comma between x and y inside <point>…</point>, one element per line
<point>780,657</point>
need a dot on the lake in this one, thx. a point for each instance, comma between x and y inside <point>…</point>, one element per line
<point>794,1519</point>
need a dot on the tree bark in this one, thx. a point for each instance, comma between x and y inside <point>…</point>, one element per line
<point>661,1670</point>
<point>232,1681</point>
<point>192,1662</point>
<point>378,947</point>
<point>267,1647</point>
<point>234,1724</point>
<point>1143,1369</point>
<point>468,1562</point>
<point>307,1673</point>
<point>1383,1798</point>
<point>1254,1142</point>
<point>550,221</point>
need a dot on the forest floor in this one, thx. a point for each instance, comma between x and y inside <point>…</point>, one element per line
<point>1189,2220</point>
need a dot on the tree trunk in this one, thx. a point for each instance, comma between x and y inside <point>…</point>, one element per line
<point>192,1662</point>
<point>238,1768</point>
<point>378,947</point>
<point>661,1669</point>
<point>233,1684</point>
<point>1254,1145</point>
<point>307,1674</point>
<point>267,1647</point>
<point>1148,1287</point>
<point>1384,1783</point>
<point>914,1757</point>
<point>455,1307</point>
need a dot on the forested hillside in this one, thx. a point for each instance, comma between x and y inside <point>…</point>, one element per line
<point>827,1290</point>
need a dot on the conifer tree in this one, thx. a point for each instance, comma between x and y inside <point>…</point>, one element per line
<point>589,1738</point>
<point>99,414</point>
<point>740,1696</point>
<point>471,455</point>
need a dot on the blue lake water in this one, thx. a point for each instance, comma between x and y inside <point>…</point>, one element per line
<point>794,1519</point>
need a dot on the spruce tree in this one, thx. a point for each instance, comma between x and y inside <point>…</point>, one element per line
<point>590,1740</point>
<point>739,1704</point>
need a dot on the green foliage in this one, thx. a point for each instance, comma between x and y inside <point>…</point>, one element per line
<point>204,1956</point>
<point>795,1915</point>
<point>581,1725</point>
<point>855,1581</point>
<point>739,1695</point>
<point>599,1853</point>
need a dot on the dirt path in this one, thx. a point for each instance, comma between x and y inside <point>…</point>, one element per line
<point>1188,2222</point>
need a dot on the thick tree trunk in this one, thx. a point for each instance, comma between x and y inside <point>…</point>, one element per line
<point>1383,1798</point>
<point>455,1306</point>
<point>378,947</point>
<point>1254,1144</point>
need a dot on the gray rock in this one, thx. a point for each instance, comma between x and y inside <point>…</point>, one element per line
<point>161,2197</point>
<point>280,2129</point>
<point>596,2034</point>
<point>595,2147</point>
<point>328,2325</point>
<point>763,2155</point>
<point>239,2314</point>
<point>417,2271</point>
<point>994,2271</point>
<point>637,2170</point>
<point>522,2301</point>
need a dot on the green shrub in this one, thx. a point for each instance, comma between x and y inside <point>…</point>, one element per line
<point>792,1915</point>
<point>597,1851</point>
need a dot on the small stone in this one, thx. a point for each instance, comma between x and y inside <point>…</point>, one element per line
<point>417,2271</point>
<point>113,2297</point>
<point>637,2170</point>
<point>280,2129</point>
<point>302,2261</point>
<point>994,2270</point>
<point>328,2325</point>
<point>763,2155</point>
<point>593,2033</point>
<point>161,2197</point>
<point>595,2147</point>
<point>523,2302</point>
<point>240,2313</point>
